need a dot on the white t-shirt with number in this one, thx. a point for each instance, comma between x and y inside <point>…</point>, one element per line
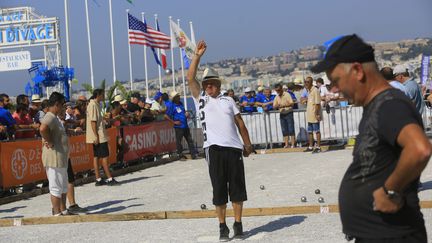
<point>217,120</point>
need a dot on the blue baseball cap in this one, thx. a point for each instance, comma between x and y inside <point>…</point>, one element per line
<point>349,48</point>
<point>157,95</point>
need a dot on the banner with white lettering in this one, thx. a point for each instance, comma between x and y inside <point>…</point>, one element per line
<point>144,140</point>
<point>425,69</point>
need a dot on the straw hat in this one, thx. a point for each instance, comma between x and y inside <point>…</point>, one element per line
<point>174,94</point>
<point>36,98</point>
<point>211,74</point>
<point>119,98</point>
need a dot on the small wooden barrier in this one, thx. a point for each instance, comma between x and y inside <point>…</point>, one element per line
<point>185,214</point>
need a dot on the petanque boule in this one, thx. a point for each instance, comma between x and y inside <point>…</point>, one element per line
<point>321,200</point>
<point>303,199</point>
<point>203,206</point>
<point>317,191</point>
<point>262,187</point>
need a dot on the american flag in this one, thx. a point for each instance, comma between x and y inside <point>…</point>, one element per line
<point>141,34</point>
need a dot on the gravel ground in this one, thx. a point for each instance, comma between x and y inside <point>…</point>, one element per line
<point>185,186</point>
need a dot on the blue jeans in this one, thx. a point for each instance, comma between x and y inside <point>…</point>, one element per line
<point>287,124</point>
<point>313,127</point>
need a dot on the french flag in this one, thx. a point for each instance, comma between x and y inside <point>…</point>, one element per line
<point>162,51</point>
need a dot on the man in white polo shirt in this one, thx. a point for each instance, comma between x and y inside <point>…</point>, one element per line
<point>220,119</point>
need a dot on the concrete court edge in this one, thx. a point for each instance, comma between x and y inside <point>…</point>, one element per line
<point>185,214</point>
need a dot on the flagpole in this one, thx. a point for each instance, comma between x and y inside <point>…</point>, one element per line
<point>192,33</point>
<point>158,56</point>
<point>145,61</point>
<point>89,45</point>
<point>67,42</point>
<point>112,44</point>
<point>130,56</point>
<point>182,71</point>
<point>172,54</point>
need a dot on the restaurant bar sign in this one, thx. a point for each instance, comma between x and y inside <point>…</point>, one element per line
<point>20,26</point>
<point>15,61</point>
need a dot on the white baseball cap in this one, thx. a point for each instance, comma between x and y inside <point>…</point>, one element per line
<point>401,68</point>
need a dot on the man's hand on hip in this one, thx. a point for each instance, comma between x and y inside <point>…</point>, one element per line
<point>383,203</point>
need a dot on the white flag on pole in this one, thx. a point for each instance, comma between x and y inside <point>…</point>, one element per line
<point>192,33</point>
<point>180,39</point>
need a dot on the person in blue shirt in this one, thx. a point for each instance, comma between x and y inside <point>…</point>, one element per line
<point>293,96</point>
<point>260,95</point>
<point>387,73</point>
<point>177,115</point>
<point>266,100</point>
<point>247,101</point>
<point>402,75</point>
<point>165,98</point>
<point>6,118</point>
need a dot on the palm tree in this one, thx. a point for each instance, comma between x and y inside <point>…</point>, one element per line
<point>126,94</point>
<point>90,89</point>
<point>109,96</point>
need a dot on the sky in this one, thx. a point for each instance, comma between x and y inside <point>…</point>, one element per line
<point>241,28</point>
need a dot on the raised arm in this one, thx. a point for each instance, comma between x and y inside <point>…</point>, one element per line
<point>194,86</point>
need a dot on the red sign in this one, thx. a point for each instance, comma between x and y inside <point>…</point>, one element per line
<point>21,161</point>
<point>153,138</point>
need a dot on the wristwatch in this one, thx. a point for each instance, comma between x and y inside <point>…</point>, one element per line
<point>391,193</point>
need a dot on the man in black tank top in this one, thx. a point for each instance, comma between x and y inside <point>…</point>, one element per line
<point>378,197</point>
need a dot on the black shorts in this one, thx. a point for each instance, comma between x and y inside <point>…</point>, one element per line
<point>101,150</point>
<point>227,174</point>
<point>70,173</point>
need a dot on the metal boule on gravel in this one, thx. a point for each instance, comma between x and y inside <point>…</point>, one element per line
<point>321,200</point>
<point>317,191</point>
<point>303,199</point>
<point>262,187</point>
<point>203,206</point>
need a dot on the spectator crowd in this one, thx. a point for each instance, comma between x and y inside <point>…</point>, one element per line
<point>23,119</point>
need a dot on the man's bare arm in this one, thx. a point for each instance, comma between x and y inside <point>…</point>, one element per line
<point>416,151</point>
<point>244,134</point>
<point>94,129</point>
<point>194,86</point>
<point>46,135</point>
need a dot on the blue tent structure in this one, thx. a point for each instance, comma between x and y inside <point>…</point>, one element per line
<point>43,76</point>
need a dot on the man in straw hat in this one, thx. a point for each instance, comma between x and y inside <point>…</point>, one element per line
<point>220,119</point>
<point>34,105</point>
<point>378,198</point>
<point>178,116</point>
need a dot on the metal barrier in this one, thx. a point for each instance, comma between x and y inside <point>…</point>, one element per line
<point>340,124</point>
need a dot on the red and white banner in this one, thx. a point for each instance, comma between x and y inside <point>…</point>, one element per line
<point>153,138</point>
<point>21,161</point>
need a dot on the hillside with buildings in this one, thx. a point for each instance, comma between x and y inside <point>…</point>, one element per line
<point>294,65</point>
